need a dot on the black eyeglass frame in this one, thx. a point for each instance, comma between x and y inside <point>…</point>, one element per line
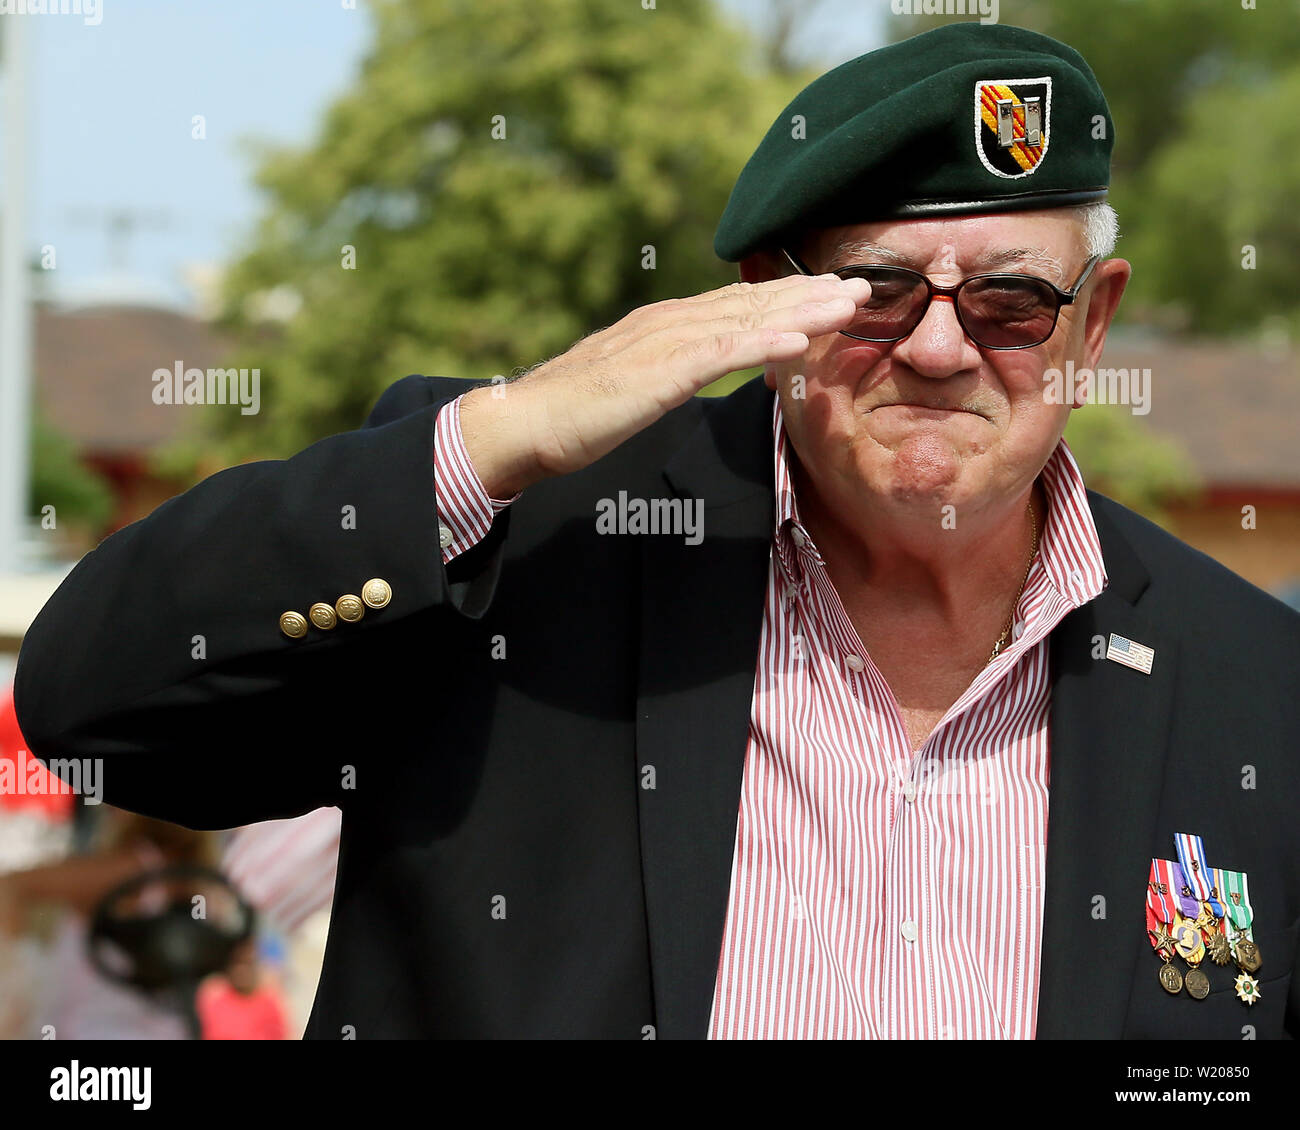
<point>1063,297</point>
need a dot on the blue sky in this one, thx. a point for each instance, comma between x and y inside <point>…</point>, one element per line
<point>110,110</point>
<point>111,107</point>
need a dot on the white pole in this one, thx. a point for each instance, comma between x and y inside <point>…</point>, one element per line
<point>15,312</point>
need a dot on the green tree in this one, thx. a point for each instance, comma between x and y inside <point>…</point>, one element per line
<point>619,132</point>
<point>80,495</point>
<point>1220,252</point>
<point>1127,462</point>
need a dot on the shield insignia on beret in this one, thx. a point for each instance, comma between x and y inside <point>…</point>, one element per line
<point>1013,124</point>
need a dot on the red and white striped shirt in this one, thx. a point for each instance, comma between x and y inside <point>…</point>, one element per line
<point>876,893</point>
<point>286,868</point>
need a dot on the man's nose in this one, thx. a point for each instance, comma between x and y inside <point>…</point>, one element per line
<point>938,347</point>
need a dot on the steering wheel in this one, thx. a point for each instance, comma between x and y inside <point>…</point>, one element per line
<point>164,930</point>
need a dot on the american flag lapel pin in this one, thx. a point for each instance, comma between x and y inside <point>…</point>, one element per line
<point>1130,653</point>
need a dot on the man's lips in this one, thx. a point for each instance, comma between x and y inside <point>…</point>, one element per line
<point>928,411</point>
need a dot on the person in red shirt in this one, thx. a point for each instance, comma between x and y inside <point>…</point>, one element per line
<point>242,1003</point>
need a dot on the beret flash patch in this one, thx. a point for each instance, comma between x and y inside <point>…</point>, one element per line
<point>1013,124</point>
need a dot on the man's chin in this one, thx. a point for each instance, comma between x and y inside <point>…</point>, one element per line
<point>923,467</point>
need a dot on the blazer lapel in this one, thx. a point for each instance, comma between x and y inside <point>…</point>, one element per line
<point>702,611</point>
<point>1108,747</point>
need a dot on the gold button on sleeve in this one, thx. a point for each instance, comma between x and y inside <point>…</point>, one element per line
<point>322,615</point>
<point>376,593</point>
<point>349,608</point>
<point>293,625</point>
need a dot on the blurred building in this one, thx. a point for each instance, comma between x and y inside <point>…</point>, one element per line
<point>94,370</point>
<point>1235,411</point>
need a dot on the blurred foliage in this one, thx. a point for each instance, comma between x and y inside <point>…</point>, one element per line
<point>1123,460</point>
<point>625,130</point>
<point>1217,208</point>
<point>80,495</point>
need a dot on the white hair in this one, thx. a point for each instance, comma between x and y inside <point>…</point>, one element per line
<point>1100,228</point>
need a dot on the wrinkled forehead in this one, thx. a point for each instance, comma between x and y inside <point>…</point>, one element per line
<point>1050,241</point>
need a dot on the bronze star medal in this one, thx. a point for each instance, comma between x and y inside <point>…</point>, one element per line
<point>1159,915</point>
<point>1170,979</point>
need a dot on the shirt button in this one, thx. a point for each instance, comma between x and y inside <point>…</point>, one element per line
<point>909,931</point>
<point>909,792</point>
<point>796,536</point>
<point>853,663</point>
<point>444,536</point>
<point>1077,577</point>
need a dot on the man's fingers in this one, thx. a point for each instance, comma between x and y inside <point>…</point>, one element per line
<point>811,318</point>
<point>775,293</point>
<point>750,338</point>
<point>716,355</point>
<point>741,289</point>
<point>731,344</point>
<point>743,297</point>
<point>686,317</point>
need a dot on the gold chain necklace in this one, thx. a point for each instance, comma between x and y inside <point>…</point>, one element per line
<point>1006,630</point>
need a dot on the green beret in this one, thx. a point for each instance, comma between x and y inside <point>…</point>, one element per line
<point>966,118</point>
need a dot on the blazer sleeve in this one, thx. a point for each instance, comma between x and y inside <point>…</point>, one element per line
<point>162,656</point>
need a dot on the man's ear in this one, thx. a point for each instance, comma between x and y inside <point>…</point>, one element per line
<point>1109,280</point>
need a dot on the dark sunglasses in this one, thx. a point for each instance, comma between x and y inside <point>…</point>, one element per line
<point>995,311</point>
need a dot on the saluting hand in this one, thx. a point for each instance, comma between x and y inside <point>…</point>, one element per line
<point>567,413</point>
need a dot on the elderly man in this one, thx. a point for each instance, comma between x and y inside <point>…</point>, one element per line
<point>838,707</point>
